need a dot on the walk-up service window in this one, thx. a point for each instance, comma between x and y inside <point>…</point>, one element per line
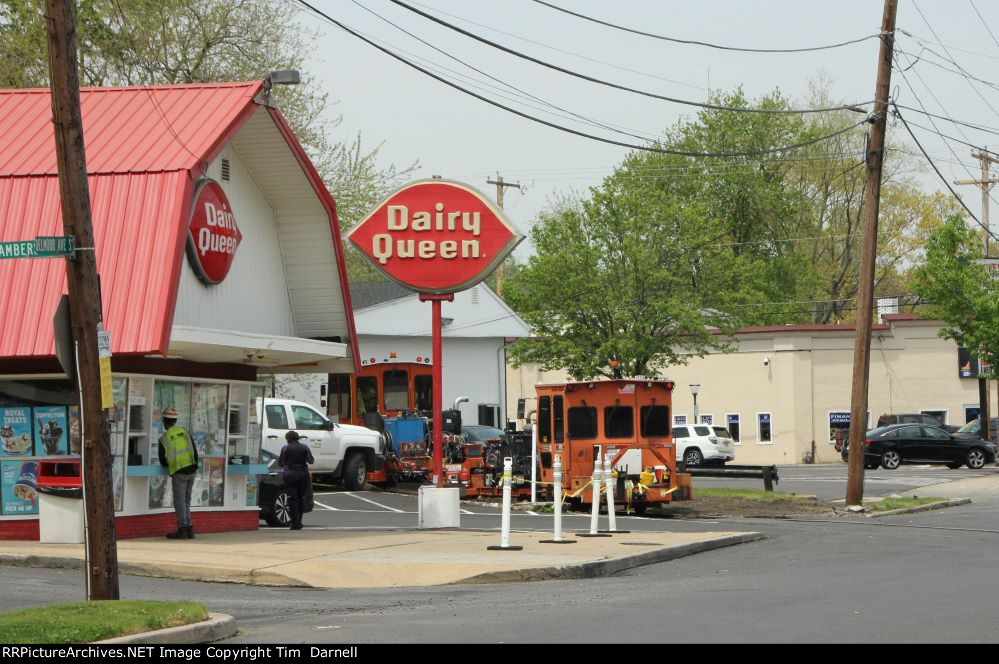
<point>763,428</point>
<point>732,423</point>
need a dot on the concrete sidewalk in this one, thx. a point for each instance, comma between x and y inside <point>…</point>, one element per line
<point>378,558</point>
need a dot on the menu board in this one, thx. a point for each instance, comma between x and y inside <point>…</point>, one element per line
<point>52,430</point>
<point>15,431</point>
<point>17,486</point>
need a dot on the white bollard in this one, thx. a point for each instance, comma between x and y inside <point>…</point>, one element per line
<point>557,466</point>
<point>505,522</point>
<point>595,484</point>
<point>610,486</point>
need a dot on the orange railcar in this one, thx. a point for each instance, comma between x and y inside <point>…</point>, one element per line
<point>631,419</point>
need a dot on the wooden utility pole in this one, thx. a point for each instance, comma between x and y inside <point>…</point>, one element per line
<point>865,299</point>
<point>986,184</point>
<point>500,185</point>
<point>84,299</point>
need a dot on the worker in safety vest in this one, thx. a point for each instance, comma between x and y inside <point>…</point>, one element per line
<point>180,456</point>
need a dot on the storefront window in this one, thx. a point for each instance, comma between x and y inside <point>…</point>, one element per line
<point>208,431</point>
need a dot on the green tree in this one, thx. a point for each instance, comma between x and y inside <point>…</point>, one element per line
<point>960,290</point>
<point>144,42</point>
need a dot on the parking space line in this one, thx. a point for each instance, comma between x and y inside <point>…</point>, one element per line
<point>367,500</point>
<point>324,506</point>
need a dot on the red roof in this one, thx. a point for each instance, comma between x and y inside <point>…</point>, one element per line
<point>145,148</point>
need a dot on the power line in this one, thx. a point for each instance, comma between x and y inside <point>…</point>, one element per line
<point>524,93</point>
<point>853,107</point>
<point>560,50</point>
<point>700,43</point>
<point>645,148</point>
<point>982,19</point>
<point>942,178</point>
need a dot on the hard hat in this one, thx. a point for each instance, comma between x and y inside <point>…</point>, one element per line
<point>170,413</point>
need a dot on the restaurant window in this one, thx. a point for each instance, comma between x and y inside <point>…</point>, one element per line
<point>763,428</point>
<point>367,395</point>
<point>732,420</point>
<point>619,422</point>
<point>655,421</point>
<point>582,422</point>
<point>424,388</point>
<point>395,387</point>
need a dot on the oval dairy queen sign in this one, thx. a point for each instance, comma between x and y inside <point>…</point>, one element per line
<point>213,235</point>
<point>435,236</point>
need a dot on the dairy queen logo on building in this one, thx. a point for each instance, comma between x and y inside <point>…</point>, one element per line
<point>435,236</point>
<point>213,235</point>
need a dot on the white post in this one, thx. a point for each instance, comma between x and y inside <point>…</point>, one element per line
<point>557,466</point>
<point>505,522</point>
<point>609,483</point>
<point>595,482</point>
<point>534,462</point>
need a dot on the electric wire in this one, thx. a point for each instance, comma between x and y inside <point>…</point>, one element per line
<point>942,178</point>
<point>582,118</point>
<point>982,19</point>
<point>700,43</point>
<point>846,107</point>
<point>560,50</point>
<point>645,148</point>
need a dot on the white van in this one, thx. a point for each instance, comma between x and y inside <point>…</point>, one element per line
<point>343,452</point>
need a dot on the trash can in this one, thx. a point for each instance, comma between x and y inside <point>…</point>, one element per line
<point>60,504</point>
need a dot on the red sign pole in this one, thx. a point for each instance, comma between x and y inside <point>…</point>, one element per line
<point>438,359</point>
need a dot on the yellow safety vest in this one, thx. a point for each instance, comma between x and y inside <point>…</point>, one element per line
<point>177,448</point>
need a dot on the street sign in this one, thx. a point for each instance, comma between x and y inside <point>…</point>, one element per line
<point>40,247</point>
<point>435,236</point>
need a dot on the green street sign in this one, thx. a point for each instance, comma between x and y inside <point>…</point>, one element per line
<point>40,247</point>
<point>51,247</point>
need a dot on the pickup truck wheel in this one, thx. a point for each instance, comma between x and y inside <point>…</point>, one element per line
<point>279,514</point>
<point>355,471</point>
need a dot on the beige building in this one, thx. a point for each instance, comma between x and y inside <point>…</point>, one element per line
<point>784,390</point>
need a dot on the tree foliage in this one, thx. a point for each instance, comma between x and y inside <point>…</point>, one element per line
<point>145,42</point>
<point>960,290</point>
<point>669,246</point>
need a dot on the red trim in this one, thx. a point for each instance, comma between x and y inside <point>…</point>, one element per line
<point>330,204</point>
<point>149,525</point>
<point>177,262</point>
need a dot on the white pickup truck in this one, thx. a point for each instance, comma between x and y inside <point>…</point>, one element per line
<point>343,452</point>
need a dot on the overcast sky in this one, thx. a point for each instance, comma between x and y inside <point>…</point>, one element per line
<point>459,137</point>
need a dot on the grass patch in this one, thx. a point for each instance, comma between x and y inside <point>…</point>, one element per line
<point>899,503</point>
<point>84,622</point>
<point>758,495</point>
<point>547,508</point>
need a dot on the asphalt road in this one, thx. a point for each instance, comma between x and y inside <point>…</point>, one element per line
<point>915,578</point>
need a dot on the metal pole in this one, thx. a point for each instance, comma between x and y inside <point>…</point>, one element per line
<point>865,294</point>
<point>438,398</point>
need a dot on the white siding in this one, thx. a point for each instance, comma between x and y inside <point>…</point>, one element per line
<point>254,296</point>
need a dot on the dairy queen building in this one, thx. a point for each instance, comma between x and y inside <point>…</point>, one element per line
<point>220,260</point>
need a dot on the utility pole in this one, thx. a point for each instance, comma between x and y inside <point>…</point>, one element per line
<point>500,186</point>
<point>865,299</point>
<point>986,184</point>
<point>84,299</point>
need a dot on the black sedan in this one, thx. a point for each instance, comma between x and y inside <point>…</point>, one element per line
<point>273,497</point>
<point>896,444</point>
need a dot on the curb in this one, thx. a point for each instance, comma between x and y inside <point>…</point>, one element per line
<point>218,626</point>
<point>613,566</point>
<point>185,572</point>
<point>922,508</point>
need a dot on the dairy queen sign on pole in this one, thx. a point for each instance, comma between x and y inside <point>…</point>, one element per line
<point>436,237</point>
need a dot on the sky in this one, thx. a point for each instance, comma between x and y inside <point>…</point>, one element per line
<point>416,118</point>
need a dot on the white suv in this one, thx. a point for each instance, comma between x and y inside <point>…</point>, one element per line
<point>697,444</point>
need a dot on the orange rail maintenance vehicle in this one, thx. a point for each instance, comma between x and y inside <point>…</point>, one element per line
<point>630,419</point>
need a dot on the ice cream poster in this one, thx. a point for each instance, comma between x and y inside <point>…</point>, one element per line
<point>17,479</point>
<point>51,430</point>
<point>15,431</point>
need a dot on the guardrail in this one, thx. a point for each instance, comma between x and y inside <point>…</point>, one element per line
<point>767,473</point>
